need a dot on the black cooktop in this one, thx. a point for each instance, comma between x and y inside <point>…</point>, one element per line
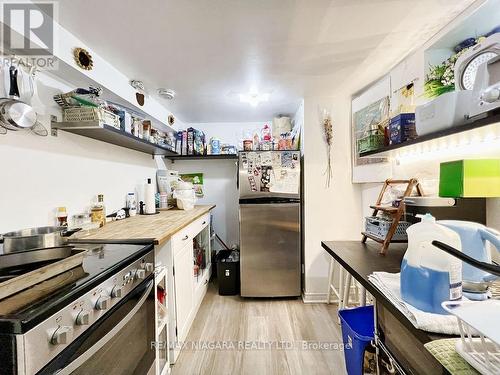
<point>24,310</point>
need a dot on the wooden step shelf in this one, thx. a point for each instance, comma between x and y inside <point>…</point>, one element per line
<point>395,212</point>
<point>389,209</point>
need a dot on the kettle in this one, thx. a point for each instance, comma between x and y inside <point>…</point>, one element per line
<point>474,237</point>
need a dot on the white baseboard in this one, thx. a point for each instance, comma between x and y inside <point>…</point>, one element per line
<point>313,297</point>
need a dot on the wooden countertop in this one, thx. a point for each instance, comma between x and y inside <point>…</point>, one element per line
<point>146,228</point>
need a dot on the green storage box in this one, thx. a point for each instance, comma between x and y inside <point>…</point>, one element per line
<point>371,142</point>
<point>478,178</point>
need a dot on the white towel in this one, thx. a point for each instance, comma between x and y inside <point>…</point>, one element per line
<point>389,285</point>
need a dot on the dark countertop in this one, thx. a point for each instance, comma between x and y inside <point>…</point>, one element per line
<point>24,310</point>
<point>361,260</point>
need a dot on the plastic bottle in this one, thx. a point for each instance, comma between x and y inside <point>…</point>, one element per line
<point>266,133</point>
<point>62,217</point>
<point>131,204</point>
<point>149,198</point>
<point>429,276</point>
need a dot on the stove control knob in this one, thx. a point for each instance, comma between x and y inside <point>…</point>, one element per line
<point>149,267</point>
<point>83,318</point>
<point>140,274</point>
<point>61,336</point>
<point>126,277</point>
<point>102,303</point>
<point>117,292</point>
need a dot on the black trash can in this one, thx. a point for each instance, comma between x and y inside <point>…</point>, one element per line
<point>228,272</point>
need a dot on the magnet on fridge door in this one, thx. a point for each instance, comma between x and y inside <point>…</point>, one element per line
<point>253,185</point>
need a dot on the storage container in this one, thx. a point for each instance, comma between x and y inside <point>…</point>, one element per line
<point>430,276</point>
<point>402,128</point>
<point>228,272</point>
<point>379,227</point>
<point>89,114</point>
<point>444,112</point>
<point>371,142</point>
<point>477,178</point>
<point>358,329</point>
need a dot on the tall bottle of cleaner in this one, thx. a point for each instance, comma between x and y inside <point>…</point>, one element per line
<point>430,276</point>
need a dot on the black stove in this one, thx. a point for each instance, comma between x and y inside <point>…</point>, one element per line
<point>106,302</point>
<point>22,311</point>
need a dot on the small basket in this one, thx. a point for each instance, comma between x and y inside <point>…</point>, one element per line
<point>379,227</point>
<point>479,319</point>
<point>88,114</point>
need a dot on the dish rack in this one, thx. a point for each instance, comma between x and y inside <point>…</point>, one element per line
<point>379,227</point>
<point>479,342</point>
<point>91,114</point>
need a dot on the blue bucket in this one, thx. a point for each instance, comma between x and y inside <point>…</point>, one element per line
<point>358,329</point>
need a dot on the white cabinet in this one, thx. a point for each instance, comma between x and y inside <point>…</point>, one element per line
<point>184,293</point>
<point>188,272</point>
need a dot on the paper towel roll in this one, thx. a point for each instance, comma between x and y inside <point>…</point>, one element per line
<point>149,198</point>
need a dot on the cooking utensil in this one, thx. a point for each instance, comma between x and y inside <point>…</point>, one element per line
<point>14,89</point>
<point>19,258</point>
<point>40,130</point>
<point>35,238</point>
<point>25,83</point>
<point>16,115</point>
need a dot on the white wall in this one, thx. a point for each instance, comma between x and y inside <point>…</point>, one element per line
<point>42,173</point>
<point>330,213</point>
<point>220,176</point>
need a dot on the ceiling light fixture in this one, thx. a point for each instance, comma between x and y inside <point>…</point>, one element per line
<point>167,93</point>
<point>254,98</point>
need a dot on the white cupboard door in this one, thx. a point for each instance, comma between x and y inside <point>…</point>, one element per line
<point>184,299</point>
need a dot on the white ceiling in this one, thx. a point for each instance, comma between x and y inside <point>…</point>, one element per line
<point>210,50</point>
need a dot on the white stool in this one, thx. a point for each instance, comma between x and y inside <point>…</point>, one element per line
<point>346,286</point>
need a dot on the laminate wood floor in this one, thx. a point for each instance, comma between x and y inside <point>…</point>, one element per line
<point>261,336</point>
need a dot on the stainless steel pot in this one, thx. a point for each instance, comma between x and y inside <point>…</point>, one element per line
<point>35,238</point>
<point>16,115</point>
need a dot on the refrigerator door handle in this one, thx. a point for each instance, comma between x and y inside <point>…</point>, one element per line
<point>237,163</point>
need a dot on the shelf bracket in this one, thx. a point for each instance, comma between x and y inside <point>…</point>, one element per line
<point>53,129</point>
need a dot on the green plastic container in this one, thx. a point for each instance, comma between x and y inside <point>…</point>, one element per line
<point>477,178</point>
<point>370,143</point>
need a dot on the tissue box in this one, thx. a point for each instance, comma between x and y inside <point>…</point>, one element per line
<point>478,178</point>
<point>402,128</point>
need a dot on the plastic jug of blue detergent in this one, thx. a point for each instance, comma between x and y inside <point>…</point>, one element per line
<point>430,276</point>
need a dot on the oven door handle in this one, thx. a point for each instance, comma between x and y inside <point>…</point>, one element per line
<point>104,340</point>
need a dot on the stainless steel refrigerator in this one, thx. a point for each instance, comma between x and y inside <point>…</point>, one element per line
<point>269,215</point>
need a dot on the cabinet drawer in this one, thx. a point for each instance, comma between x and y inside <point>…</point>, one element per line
<point>182,238</point>
<point>199,224</point>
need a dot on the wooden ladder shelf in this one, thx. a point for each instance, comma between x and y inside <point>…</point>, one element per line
<point>396,212</point>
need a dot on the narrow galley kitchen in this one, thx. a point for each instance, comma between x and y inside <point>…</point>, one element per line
<point>249,187</point>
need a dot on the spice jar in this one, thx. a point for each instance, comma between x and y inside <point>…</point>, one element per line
<point>98,211</point>
<point>62,217</point>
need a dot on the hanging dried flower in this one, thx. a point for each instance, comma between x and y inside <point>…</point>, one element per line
<point>326,123</point>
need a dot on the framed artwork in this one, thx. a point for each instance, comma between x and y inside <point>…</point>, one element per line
<point>369,115</point>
